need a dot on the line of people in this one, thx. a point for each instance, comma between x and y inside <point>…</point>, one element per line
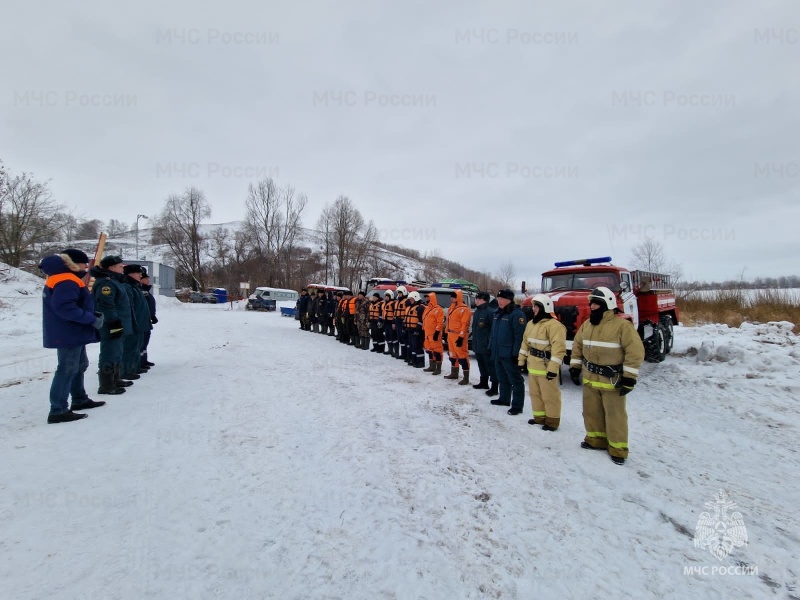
<point>606,353</point>
<point>119,312</point>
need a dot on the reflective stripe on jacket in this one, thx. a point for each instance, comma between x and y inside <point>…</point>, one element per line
<point>613,341</point>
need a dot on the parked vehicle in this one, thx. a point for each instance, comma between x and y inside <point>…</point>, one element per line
<point>644,298</point>
<point>203,297</point>
<point>266,298</point>
<point>382,284</point>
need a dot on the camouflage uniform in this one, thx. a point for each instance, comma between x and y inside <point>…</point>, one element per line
<point>362,322</point>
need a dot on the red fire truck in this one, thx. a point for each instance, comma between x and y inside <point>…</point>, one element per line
<point>644,298</point>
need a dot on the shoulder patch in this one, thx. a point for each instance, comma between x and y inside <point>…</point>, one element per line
<point>105,290</point>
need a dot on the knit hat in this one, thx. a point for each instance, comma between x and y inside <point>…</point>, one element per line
<point>110,261</point>
<point>76,256</point>
<point>507,294</point>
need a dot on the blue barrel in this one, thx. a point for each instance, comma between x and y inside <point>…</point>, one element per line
<point>221,294</point>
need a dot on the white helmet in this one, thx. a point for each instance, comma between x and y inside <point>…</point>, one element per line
<point>415,296</point>
<point>401,289</point>
<point>545,301</point>
<point>389,293</point>
<point>603,295</point>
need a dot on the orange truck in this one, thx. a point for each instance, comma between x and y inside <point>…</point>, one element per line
<point>644,298</point>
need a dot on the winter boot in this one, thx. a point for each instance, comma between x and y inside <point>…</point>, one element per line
<point>66,417</point>
<point>465,380</point>
<point>419,361</point>
<point>365,342</point>
<point>374,348</point>
<point>453,372</point>
<point>108,383</point>
<point>120,383</point>
<point>146,362</point>
<point>493,391</point>
<point>482,385</point>
<point>430,368</point>
<point>437,368</point>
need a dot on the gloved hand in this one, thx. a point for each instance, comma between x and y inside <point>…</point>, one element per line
<point>435,336</point>
<point>98,320</point>
<point>154,319</point>
<point>523,368</point>
<point>459,342</point>
<point>575,375</point>
<point>551,375</point>
<point>115,328</point>
<point>626,385</point>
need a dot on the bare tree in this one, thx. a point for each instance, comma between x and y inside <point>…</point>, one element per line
<point>27,216</point>
<point>650,255</point>
<point>220,246</point>
<point>179,226</point>
<point>507,276</point>
<point>88,229</point>
<point>325,226</point>
<point>116,228</point>
<point>273,223</point>
<point>346,223</point>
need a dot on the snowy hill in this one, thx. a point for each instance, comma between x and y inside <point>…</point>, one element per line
<point>259,461</point>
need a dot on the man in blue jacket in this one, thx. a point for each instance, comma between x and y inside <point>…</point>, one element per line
<point>505,340</point>
<point>482,320</point>
<point>68,324</point>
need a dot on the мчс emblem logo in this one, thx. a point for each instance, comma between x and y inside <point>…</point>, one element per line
<point>721,531</point>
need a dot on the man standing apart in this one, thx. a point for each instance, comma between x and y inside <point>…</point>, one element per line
<point>504,344</point>
<point>606,355</point>
<point>544,345</point>
<point>68,324</point>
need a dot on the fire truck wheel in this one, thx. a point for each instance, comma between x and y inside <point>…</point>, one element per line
<point>655,347</point>
<point>669,332</point>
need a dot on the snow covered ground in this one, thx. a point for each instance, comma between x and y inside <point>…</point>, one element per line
<point>256,460</point>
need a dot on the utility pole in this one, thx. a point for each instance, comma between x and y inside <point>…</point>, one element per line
<point>137,233</point>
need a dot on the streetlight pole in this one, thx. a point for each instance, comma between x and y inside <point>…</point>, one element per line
<point>137,233</point>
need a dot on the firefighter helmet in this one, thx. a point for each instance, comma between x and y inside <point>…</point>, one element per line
<point>401,289</point>
<point>603,296</point>
<point>389,293</point>
<point>415,296</point>
<point>545,302</point>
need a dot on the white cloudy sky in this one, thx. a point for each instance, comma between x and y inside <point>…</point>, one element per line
<point>545,130</point>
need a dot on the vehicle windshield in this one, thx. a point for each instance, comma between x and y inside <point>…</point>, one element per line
<point>580,281</point>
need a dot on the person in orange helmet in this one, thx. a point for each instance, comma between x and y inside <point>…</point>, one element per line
<point>433,325</point>
<point>459,317</point>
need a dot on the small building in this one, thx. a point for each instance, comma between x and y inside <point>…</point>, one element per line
<point>162,277</point>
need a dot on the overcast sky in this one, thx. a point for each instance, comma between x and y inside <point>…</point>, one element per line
<point>486,131</point>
